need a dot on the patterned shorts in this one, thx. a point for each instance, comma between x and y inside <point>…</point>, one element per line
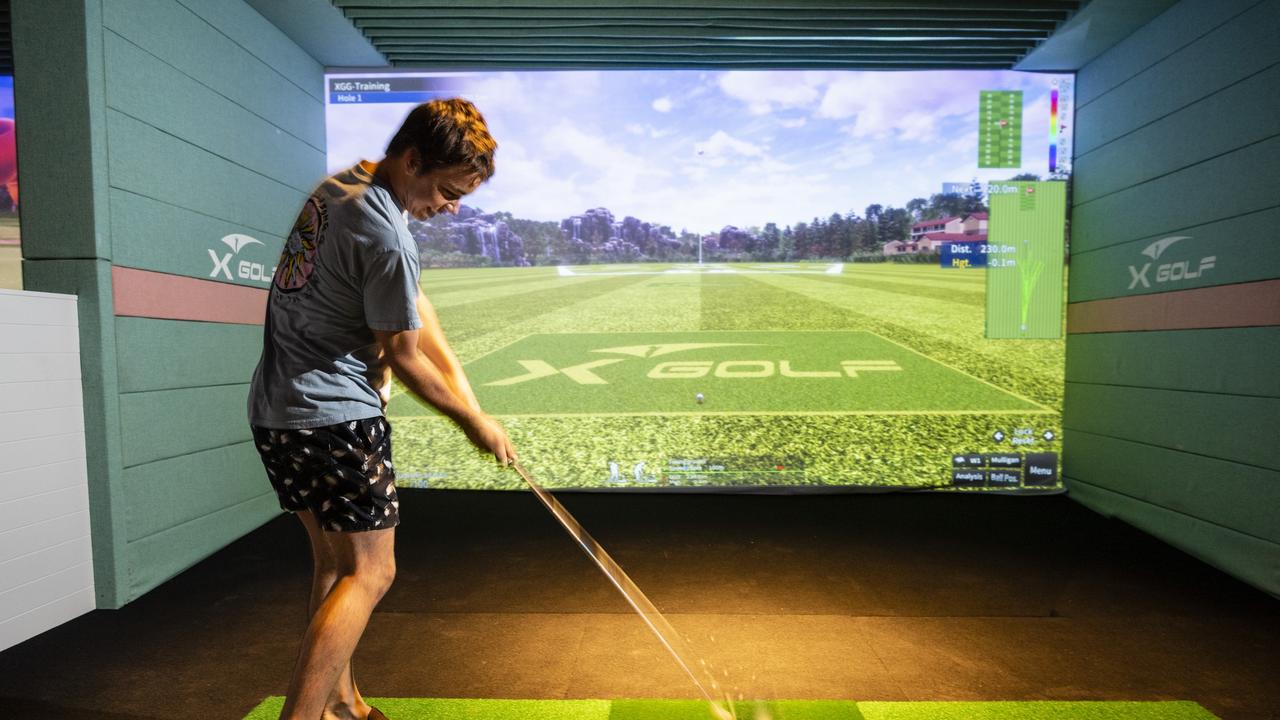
<point>342,473</point>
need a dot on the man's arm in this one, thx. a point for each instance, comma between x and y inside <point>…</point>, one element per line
<point>400,350</point>
<point>432,343</point>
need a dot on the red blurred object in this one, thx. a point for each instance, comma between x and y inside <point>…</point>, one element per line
<point>8,159</point>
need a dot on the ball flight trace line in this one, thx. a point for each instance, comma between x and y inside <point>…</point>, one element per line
<point>721,706</point>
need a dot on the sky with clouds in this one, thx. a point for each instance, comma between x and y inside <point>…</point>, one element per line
<point>699,150</point>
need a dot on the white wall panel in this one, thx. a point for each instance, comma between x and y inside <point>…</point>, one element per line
<point>46,555</point>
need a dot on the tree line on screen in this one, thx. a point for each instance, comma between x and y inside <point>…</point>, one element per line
<point>474,238</point>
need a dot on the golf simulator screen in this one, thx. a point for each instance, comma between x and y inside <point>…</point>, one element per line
<point>746,281</point>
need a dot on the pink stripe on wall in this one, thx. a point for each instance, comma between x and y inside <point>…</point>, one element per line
<point>1252,304</point>
<point>143,293</point>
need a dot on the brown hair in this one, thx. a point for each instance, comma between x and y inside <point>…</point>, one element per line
<point>446,133</point>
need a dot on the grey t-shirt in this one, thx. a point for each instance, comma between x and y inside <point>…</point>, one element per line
<point>349,267</point>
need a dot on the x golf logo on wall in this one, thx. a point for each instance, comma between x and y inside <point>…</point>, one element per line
<point>244,269</point>
<point>1170,271</point>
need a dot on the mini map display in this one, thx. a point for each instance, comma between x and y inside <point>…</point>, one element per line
<point>1000,129</point>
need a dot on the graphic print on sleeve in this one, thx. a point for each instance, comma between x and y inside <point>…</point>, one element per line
<point>298,260</point>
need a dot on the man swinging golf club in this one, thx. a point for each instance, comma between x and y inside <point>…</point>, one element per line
<point>345,312</point>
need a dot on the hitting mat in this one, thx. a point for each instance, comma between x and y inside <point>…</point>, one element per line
<point>446,709</point>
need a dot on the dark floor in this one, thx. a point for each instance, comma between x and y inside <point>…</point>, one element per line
<point>864,597</point>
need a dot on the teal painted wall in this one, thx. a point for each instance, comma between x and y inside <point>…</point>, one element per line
<point>196,120</point>
<point>1175,431</point>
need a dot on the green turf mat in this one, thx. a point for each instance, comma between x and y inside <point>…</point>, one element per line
<point>698,710</point>
<point>1039,710</point>
<point>455,709</point>
<point>451,709</point>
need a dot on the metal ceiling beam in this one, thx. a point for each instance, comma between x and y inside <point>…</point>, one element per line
<point>448,43</point>
<point>763,53</point>
<point>900,28</point>
<point>1002,6</point>
<point>685,13</point>
<point>676,32</point>
<point>448,63</point>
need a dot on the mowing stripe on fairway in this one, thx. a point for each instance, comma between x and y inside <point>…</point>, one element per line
<point>467,709</point>
<point>480,317</point>
<point>974,276</point>
<point>930,290</point>
<point>432,291</point>
<point>962,372</point>
<point>953,334</point>
<point>497,290</point>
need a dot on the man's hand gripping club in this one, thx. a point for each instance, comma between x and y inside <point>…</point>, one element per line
<point>402,355</point>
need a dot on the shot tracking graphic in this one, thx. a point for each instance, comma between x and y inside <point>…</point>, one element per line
<point>1025,260</point>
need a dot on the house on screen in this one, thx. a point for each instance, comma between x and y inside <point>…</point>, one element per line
<point>975,224</point>
<point>898,247</point>
<point>929,235</point>
<point>954,224</point>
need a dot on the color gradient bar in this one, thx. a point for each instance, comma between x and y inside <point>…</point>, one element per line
<point>1053,130</point>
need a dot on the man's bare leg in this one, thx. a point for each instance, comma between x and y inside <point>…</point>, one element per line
<point>345,702</point>
<point>366,568</point>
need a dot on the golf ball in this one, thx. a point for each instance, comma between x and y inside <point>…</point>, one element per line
<point>699,398</point>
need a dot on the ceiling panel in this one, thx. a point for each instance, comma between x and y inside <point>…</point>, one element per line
<point>880,34</point>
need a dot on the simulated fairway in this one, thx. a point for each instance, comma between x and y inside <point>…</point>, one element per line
<point>862,374</point>
<point>445,709</point>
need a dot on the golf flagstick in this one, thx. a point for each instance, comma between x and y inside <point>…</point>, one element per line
<point>721,706</point>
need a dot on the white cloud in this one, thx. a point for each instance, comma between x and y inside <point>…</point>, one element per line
<point>722,144</point>
<point>527,187</point>
<point>907,106</point>
<point>762,90</point>
<point>793,122</point>
<point>646,130</point>
<point>663,104</point>
<point>853,155</point>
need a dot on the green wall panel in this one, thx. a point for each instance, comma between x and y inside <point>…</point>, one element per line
<point>149,162</point>
<point>1237,361</point>
<point>173,354</point>
<point>1236,183</point>
<point>1175,431</point>
<point>59,106</point>
<point>1228,54</point>
<point>187,41</point>
<point>170,423</point>
<point>1184,138</point>
<point>246,27</point>
<point>1253,560</point>
<point>186,486</point>
<point>1230,427</point>
<point>1180,25</point>
<point>155,235</point>
<point>202,117</point>
<point>90,281</point>
<point>156,558</point>
<point>1242,249</point>
<point>1193,485</point>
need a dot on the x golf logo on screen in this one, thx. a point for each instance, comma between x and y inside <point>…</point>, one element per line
<point>733,372</point>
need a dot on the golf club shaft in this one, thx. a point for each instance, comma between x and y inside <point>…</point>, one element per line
<point>637,599</point>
